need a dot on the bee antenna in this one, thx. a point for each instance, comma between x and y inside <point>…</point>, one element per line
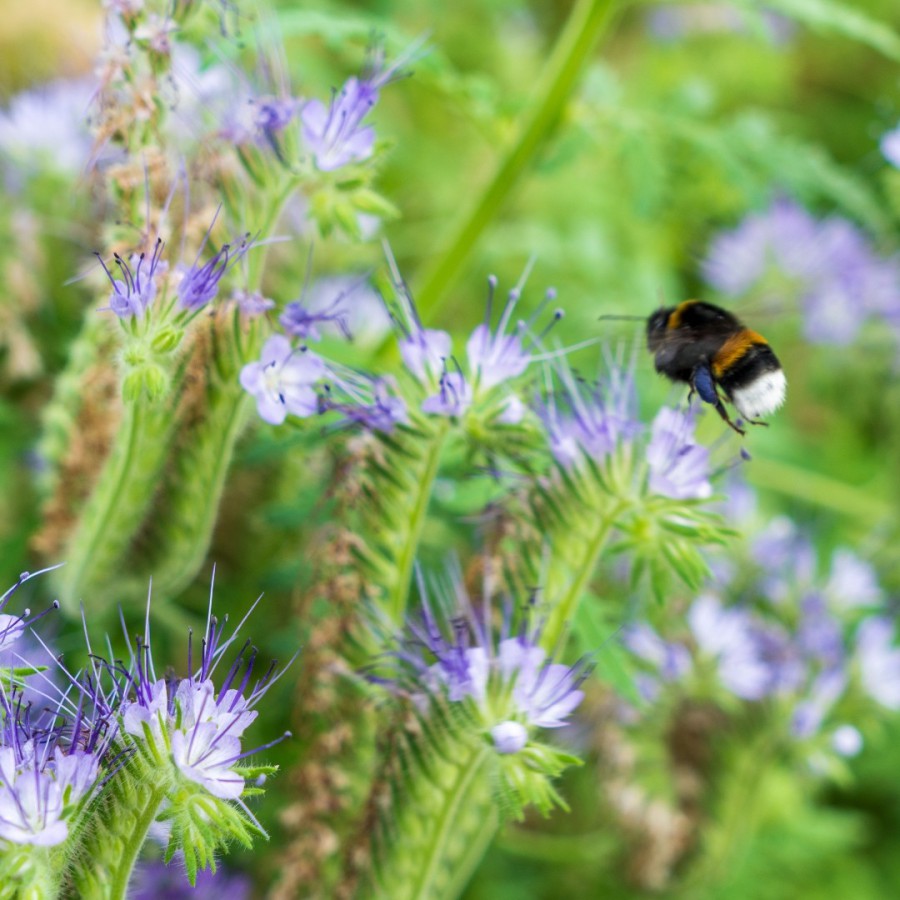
<point>624,318</point>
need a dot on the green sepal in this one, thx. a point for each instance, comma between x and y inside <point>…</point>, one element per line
<point>526,778</point>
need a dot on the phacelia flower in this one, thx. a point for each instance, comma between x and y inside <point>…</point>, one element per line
<point>283,380</point>
<point>199,722</point>
<point>679,468</point>
<point>585,421</point>
<point>453,398</point>
<point>335,135</point>
<point>511,683</point>
<point>47,127</point>
<point>158,881</point>
<point>40,790</point>
<point>199,284</point>
<point>364,400</point>
<point>135,288</point>
<point>50,759</point>
<point>425,351</point>
<point>727,636</point>
<point>252,303</point>
<point>829,265</point>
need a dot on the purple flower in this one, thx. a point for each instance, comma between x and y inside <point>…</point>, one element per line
<point>586,421</point>
<point>727,636</point>
<point>510,684</point>
<point>365,401</point>
<point>50,759</point>
<point>282,381</point>
<point>853,582</point>
<point>679,468</point>
<point>135,289</point>
<point>252,303</point>
<point>301,319</point>
<point>829,265</point>
<point>192,722</point>
<point>453,398</point>
<point>425,351</point>
<point>158,881</point>
<point>810,714</point>
<point>335,135</point>
<point>669,659</point>
<point>199,284</point>
<point>47,126</point>
<point>890,146</point>
<point>879,661</point>
<point>40,790</point>
<point>820,635</point>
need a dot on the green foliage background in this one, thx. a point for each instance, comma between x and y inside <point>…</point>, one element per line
<point>662,143</point>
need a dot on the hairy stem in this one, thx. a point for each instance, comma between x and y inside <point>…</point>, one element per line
<point>563,608</point>
<point>144,817</point>
<point>409,541</point>
<point>121,496</point>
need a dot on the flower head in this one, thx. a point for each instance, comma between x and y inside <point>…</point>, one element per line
<point>508,679</point>
<point>679,468</point>
<point>199,283</point>
<point>50,760</point>
<point>135,288</point>
<point>335,134</point>
<point>590,421</point>
<point>47,126</point>
<point>282,380</point>
<point>829,265</point>
<point>195,722</point>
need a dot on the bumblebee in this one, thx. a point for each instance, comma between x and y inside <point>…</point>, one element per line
<point>709,349</point>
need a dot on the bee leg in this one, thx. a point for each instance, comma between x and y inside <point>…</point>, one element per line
<point>757,422</point>
<point>703,383</point>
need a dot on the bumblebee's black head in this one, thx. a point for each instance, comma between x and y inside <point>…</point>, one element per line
<point>656,327</point>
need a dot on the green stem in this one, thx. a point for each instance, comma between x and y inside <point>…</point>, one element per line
<point>457,798</point>
<point>397,599</point>
<point>587,21</point>
<point>564,609</point>
<point>475,849</point>
<point>132,843</point>
<point>120,497</point>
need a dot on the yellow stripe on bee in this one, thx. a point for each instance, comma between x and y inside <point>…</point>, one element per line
<point>733,349</point>
<point>678,312</point>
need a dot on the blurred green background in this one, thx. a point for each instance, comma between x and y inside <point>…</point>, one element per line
<point>687,118</point>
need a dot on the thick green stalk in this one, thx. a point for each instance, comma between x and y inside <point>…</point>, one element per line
<point>143,817</point>
<point>198,471</point>
<point>116,508</point>
<point>442,825</point>
<point>572,579</point>
<point>586,23</point>
<point>411,534</point>
<point>195,491</point>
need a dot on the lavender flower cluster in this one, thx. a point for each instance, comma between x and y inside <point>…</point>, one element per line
<point>828,266</point>
<point>812,646</point>
<point>65,736</point>
<point>290,379</point>
<point>588,423</point>
<point>452,650</point>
